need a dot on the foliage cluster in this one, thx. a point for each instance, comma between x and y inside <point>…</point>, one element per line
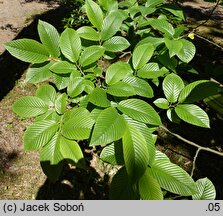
<point>101,84</point>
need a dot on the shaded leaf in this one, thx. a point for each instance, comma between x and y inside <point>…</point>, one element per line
<point>121,188</point>
<point>135,151</point>
<point>153,3</point>
<point>149,188</point>
<point>113,153</point>
<point>174,46</point>
<point>172,116</point>
<point>175,10</point>
<point>198,90</point>
<point>147,133</point>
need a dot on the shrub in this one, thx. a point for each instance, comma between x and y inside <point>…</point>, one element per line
<point>101,84</point>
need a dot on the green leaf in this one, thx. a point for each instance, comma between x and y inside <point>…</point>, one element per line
<point>47,115</point>
<point>29,106</point>
<point>61,80</point>
<point>172,86</point>
<point>187,52</point>
<point>116,44</point>
<point>121,89</point>
<point>61,103</point>
<point>149,188</point>
<point>165,60</point>
<point>98,97</point>
<point>117,72</point>
<point>88,33</point>
<point>140,111</point>
<point>141,55</point>
<point>175,10</point>
<point>63,67</point>
<point>113,153</point>
<point>78,126</point>
<point>121,188</point>
<point>75,86</point>
<point>71,150</point>
<point>51,151</point>
<point>162,103</point>
<point>50,37</point>
<point>174,46</point>
<point>172,116</point>
<point>173,178</point>
<point>88,86</point>
<point>70,44</point>
<point>147,133</point>
<point>161,156</point>
<point>153,3</point>
<point>39,134</point>
<point>206,190</point>
<point>47,93</point>
<point>193,114</point>
<point>75,111</point>
<point>155,41</point>
<point>38,73</point>
<point>198,90</point>
<point>142,88</point>
<point>94,13</point>
<point>27,50</point>
<point>135,151</point>
<point>151,71</point>
<point>109,5</point>
<point>111,24</point>
<point>109,127</point>
<point>91,54</point>
<point>163,26</point>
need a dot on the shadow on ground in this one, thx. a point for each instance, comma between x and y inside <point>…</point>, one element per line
<point>75,184</point>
